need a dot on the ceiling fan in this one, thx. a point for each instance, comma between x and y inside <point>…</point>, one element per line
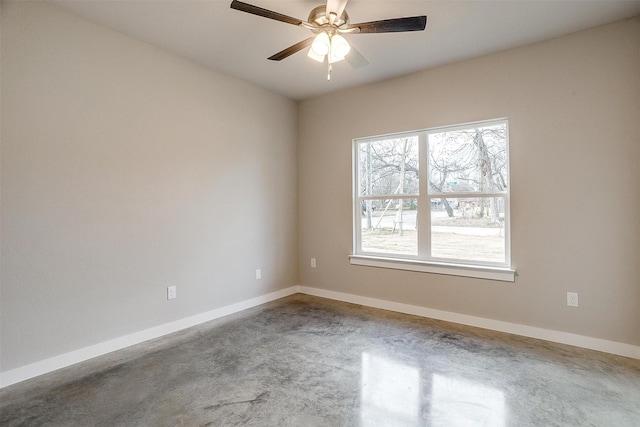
<point>328,23</point>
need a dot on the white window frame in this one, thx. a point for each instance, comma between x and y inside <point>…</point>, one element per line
<point>424,262</point>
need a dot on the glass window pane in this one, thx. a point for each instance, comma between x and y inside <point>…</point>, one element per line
<point>388,167</point>
<point>389,226</point>
<point>468,229</point>
<point>472,160</point>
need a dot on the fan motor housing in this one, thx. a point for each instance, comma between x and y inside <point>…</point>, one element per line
<point>319,17</point>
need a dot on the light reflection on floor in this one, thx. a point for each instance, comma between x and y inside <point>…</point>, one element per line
<point>390,392</point>
<point>391,395</point>
<point>462,403</point>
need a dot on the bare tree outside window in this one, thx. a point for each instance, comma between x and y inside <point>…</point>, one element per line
<point>461,213</point>
<point>464,164</point>
<point>388,169</point>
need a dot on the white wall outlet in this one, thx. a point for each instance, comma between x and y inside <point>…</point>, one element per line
<point>313,262</point>
<point>258,274</point>
<point>171,292</point>
<point>572,299</point>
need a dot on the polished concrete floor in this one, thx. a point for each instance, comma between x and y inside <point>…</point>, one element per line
<point>306,361</point>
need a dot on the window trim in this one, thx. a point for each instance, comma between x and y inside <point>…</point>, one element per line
<point>456,267</point>
<point>503,274</point>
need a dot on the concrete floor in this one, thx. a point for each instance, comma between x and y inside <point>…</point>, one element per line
<point>306,361</point>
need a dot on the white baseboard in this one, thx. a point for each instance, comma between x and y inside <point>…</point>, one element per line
<point>61,361</point>
<point>32,370</point>
<point>598,344</point>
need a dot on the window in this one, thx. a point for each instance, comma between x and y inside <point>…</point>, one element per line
<point>435,200</point>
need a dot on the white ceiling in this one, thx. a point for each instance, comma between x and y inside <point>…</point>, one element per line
<point>211,33</point>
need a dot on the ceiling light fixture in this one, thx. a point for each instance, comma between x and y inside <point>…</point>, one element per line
<point>334,48</point>
<point>339,47</point>
<point>321,45</point>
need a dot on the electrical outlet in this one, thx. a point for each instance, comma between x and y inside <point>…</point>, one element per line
<point>313,262</point>
<point>171,292</point>
<point>572,299</point>
<point>258,274</point>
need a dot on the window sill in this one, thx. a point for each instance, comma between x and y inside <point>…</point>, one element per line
<point>479,272</point>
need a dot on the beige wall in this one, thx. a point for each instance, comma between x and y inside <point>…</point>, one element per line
<point>573,105</point>
<point>126,169</point>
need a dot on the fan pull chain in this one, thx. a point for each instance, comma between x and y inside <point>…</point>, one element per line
<point>330,67</point>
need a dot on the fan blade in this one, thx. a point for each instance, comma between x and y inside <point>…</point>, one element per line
<point>355,59</point>
<point>266,13</point>
<point>291,50</point>
<point>396,25</point>
<point>336,6</point>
